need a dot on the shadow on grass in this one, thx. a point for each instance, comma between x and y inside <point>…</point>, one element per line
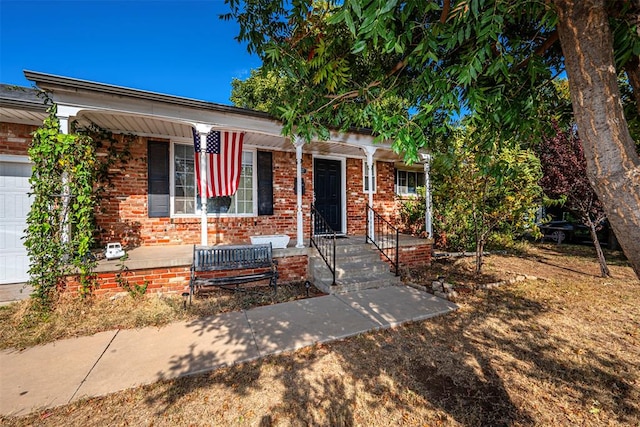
<point>300,397</point>
<point>559,266</point>
<point>587,252</point>
<point>454,364</point>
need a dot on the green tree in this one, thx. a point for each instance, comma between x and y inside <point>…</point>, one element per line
<point>269,90</point>
<point>479,193</point>
<point>487,59</point>
<point>264,90</point>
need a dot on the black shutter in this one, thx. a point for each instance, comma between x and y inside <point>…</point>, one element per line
<point>158,177</point>
<point>265,183</point>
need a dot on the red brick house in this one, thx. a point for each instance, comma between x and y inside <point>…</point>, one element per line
<point>154,205</point>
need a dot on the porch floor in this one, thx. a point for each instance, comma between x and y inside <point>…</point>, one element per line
<point>144,257</point>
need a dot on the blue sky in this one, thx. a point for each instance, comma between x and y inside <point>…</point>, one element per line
<point>174,47</point>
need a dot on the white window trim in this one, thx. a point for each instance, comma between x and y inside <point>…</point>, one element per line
<point>364,176</point>
<point>197,214</point>
<point>396,186</point>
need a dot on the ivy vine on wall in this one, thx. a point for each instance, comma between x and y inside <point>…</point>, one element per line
<point>59,231</point>
<point>67,182</point>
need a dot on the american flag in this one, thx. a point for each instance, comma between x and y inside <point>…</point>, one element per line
<point>223,159</point>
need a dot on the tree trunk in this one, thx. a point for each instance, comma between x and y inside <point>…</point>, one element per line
<point>479,254</point>
<point>604,270</point>
<point>613,167</point>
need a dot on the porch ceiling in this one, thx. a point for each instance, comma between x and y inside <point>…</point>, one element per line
<point>167,129</point>
<point>21,105</point>
<point>22,116</point>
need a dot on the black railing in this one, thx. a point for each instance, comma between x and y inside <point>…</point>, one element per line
<point>323,237</point>
<point>384,237</point>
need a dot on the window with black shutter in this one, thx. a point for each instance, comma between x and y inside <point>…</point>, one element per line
<point>265,183</point>
<point>158,179</point>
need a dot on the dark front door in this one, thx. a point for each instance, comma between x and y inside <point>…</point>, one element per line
<point>328,191</point>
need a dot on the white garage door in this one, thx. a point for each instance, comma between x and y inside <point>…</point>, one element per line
<point>14,207</point>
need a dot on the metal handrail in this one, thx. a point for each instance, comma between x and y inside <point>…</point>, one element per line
<point>385,237</point>
<point>323,237</point>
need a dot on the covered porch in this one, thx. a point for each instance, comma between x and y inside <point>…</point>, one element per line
<point>155,209</point>
<point>154,202</point>
<point>166,268</point>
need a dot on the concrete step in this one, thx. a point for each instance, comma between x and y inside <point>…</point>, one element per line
<point>322,272</point>
<point>349,260</point>
<point>358,267</point>
<point>352,285</point>
<point>351,268</point>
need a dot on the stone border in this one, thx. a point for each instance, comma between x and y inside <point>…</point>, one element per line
<point>445,290</point>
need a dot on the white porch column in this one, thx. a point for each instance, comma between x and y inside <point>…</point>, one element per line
<point>203,130</point>
<point>370,151</point>
<point>299,142</point>
<point>63,114</point>
<point>427,195</point>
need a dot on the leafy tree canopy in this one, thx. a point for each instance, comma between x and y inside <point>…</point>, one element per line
<point>489,60</point>
<point>486,59</point>
<point>264,90</point>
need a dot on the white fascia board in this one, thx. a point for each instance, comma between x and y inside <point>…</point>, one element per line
<point>14,158</point>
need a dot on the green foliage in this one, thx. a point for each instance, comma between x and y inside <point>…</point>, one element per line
<point>478,193</point>
<point>412,213</point>
<point>59,231</point>
<point>115,153</point>
<point>67,182</point>
<point>631,111</point>
<point>478,197</point>
<point>475,59</point>
<point>264,90</point>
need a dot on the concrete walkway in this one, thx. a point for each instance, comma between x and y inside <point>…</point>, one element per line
<point>14,292</point>
<point>67,370</point>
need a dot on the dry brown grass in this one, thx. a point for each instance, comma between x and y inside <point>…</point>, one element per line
<point>561,350</point>
<point>21,327</point>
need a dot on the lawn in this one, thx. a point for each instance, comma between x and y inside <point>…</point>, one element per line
<point>560,348</point>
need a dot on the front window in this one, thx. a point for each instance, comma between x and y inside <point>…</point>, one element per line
<point>186,199</point>
<point>365,176</point>
<point>184,189</point>
<point>407,182</point>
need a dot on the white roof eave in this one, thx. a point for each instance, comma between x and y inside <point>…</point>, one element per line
<point>110,99</point>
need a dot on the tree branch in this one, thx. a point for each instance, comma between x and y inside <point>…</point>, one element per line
<point>546,45</point>
<point>446,6</point>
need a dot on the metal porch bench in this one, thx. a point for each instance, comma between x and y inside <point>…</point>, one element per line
<point>256,262</point>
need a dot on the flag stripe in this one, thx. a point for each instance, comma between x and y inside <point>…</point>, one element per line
<point>223,158</point>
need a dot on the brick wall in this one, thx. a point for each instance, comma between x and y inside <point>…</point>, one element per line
<point>384,199</point>
<point>412,256</point>
<point>175,280</point>
<point>15,138</point>
<point>123,213</point>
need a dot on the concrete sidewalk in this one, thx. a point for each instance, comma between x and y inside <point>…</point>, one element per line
<point>68,370</point>
<point>14,292</point>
